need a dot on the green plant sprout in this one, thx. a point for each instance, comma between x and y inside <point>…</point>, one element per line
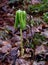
<point>20,19</point>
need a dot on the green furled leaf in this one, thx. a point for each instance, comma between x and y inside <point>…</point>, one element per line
<point>20,19</point>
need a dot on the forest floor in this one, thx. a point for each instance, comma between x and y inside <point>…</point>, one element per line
<point>35,36</point>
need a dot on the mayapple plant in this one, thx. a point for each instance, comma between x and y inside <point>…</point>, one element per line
<point>20,19</point>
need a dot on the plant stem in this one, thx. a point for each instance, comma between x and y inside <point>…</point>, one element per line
<point>22,50</point>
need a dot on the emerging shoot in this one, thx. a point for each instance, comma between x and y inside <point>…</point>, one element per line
<point>20,19</point>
